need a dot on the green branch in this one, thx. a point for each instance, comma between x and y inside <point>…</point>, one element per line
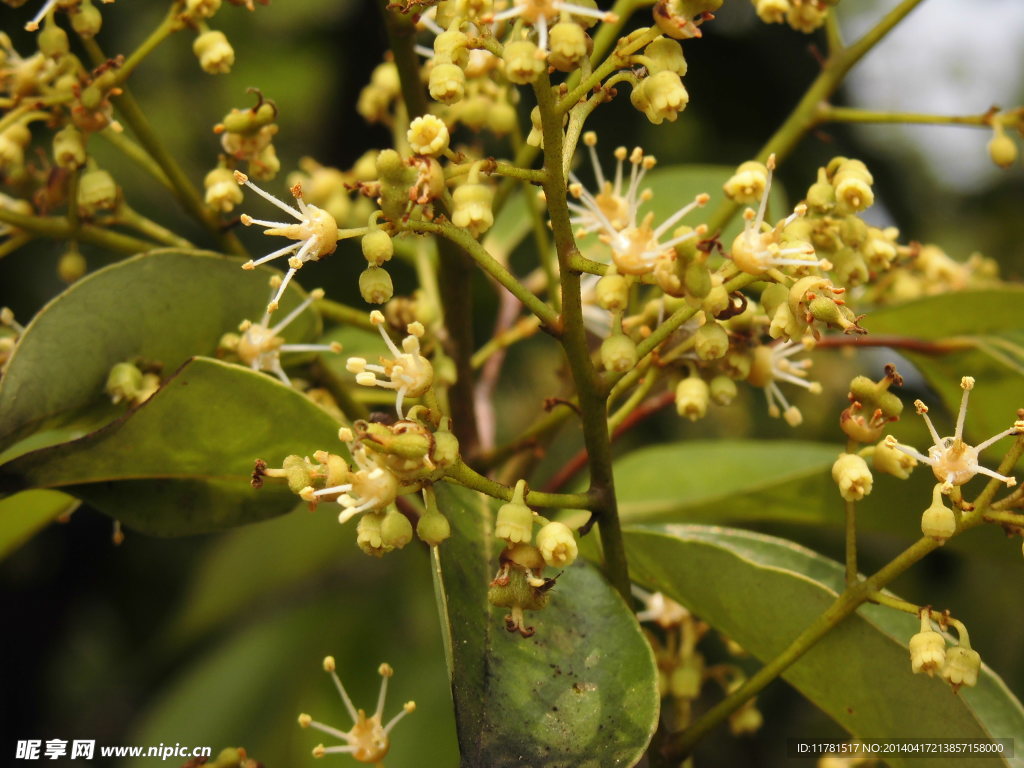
<point>826,113</point>
<point>59,228</point>
<point>589,387</point>
<point>463,475</point>
<point>490,265</point>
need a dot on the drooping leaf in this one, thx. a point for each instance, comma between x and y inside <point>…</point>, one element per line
<point>23,515</point>
<point>162,307</point>
<point>581,692</point>
<point>991,321</point>
<point>765,591</point>
<point>180,463</point>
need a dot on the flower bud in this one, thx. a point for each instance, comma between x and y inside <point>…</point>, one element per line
<point>557,545</point>
<point>452,46</point>
<point>938,521</point>
<point>395,530</point>
<point>368,535</point>
<point>723,390</point>
<point>746,186</point>
<point>124,383</point>
<point>523,62</point>
<point>687,679</point>
<point>375,285</point>
<point>515,519</point>
<point>69,149</point>
<point>433,528</point>
<point>618,353</point>
<point>201,9</point>
<point>711,341</point>
<point>927,649</point>
<point>377,247</point>
<point>961,667</point>
<point>215,54</point>
<point>447,83</point>
<point>502,118</point>
<point>52,41</point>
<point>568,45</point>
<point>223,193</point>
<point>445,450</point>
<point>1001,148</point>
<point>12,147</point>
<point>86,19</point>
<point>472,209</point>
<point>428,135</point>
<point>97,191</point>
<point>771,11</point>
<point>660,97</point>
<point>746,719</point>
<point>692,398</point>
<point>890,461</point>
<point>71,266</point>
<point>853,477</point>
<point>665,55</point>
<point>612,292</point>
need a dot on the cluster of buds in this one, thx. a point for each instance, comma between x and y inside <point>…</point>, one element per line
<point>10,331</point>
<point>246,135</point>
<point>872,406</point>
<point>661,95</point>
<point>369,739</point>
<point>802,15</point>
<point>958,665</point>
<point>519,584</point>
<point>388,460</point>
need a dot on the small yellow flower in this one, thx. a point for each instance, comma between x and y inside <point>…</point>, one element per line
<point>408,373</point>
<point>315,235</point>
<point>953,461</point>
<point>368,741</point>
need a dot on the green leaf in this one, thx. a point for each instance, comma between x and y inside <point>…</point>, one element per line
<point>23,515</point>
<point>581,691</point>
<point>766,590</point>
<point>992,321</point>
<point>724,480</point>
<point>180,463</point>
<point>164,307</point>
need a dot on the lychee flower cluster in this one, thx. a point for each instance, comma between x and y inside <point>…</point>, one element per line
<point>369,739</point>
<point>802,15</point>
<point>519,584</point>
<point>387,461</point>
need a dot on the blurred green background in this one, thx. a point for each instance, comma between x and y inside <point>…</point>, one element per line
<point>217,640</point>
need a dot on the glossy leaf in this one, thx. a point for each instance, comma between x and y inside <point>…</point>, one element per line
<point>766,590</point>
<point>23,515</point>
<point>181,462</point>
<point>723,480</point>
<point>581,691</point>
<point>163,307</point>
